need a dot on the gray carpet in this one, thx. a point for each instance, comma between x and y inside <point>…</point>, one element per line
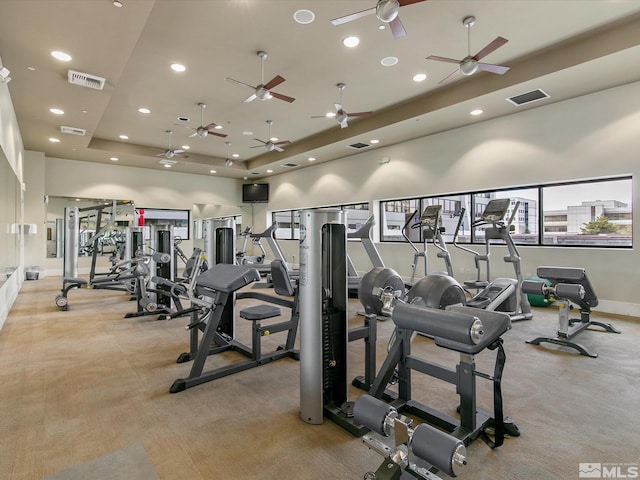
<point>130,463</point>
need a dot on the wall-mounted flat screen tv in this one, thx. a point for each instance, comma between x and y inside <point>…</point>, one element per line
<point>255,193</point>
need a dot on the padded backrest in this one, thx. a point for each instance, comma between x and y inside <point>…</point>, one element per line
<point>570,275</point>
<point>281,280</point>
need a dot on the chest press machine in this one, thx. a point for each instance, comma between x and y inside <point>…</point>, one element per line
<point>212,327</point>
<point>568,285</point>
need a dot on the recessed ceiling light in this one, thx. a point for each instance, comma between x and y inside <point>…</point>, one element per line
<point>236,155</point>
<point>54,140</point>
<point>166,165</point>
<point>117,3</point>
<point>374,141</point>
<point>477,111</point>
<point>212,171</point>
<point>184,119</point>
<point>185,147</point>
<point>247,132</point>
<point>274,139</point>
<point>389,61</point>
<point>114,159</point>
<point>84,111</point>
<point>218,127</point>
<point>304,16</point>
<point>178,67</point>
<point>30,68</point>
<point>381,27</point>
<point>124,137</point>
<point>269,171</point>
<point>351,42</point>
<point>419,77</point>
<point>144,110</point>
<point>57,111</point>
<point>312,159</point>
<point>62,56</point>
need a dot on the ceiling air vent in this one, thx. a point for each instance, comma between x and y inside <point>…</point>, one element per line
<point>166,161</point>
<point>86,80</point>
<point>290,165</point>
<point>358,145</point>
<point>73,130</point>
<point>528,97</point>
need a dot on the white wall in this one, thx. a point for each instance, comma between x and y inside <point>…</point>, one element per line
<point>12,152</point>
<point>586,137</point>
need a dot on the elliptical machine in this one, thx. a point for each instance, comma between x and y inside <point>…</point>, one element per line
<point>428,222</point>
<point>501,294</point>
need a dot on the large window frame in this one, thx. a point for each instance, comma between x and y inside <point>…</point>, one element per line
<point>533,224</point>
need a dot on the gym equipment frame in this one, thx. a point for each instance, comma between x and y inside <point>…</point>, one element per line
<point>568,284</point>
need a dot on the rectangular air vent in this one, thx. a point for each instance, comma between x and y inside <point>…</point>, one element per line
<point>166,161</point>
<point>86,80</point>
<point>72,130</point>
<point>528,97</point>
<point>290,165</point>
<point>358,145</point>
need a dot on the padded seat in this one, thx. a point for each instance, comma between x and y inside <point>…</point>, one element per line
<point>260,312</point>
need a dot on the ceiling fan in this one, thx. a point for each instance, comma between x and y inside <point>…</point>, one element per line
<point>263,91</point>
<point>169,153</point>
<point>272,144</point>
<point>340,115</point>
<point>386,11</point>
<point>203,130</point>
<point>470,64</point>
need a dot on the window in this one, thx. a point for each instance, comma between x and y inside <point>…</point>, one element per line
<point>581,213</point>
<point>595,213</point>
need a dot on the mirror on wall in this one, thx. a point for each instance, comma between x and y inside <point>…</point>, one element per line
<point>106,218</point>
<point>10,229</point>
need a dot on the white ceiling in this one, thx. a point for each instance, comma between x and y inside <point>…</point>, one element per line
<point>565,47</point>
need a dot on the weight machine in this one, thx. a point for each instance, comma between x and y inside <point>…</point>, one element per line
<point>568,285</point>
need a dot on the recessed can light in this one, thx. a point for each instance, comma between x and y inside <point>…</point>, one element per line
<point>144,110</point>
<point>185,147</point>
<point>212,171</point>
<point>178,67</point>
<point>167,165</point>
<point>236,155</point>
<point>304,16</point>
<point>312,159</point>
<point>477,111</point>
<point>56,111</point>
<point>269,171</point>
<point>218,127</point>
<point>351,42</point>
<point>114,159</point>
<point>389,61</point>
<point>62,56</point>
<point>31,69</point>
<point>381,27</point>
<point>374,141</point>
<point>124,137</point>
<point>184,119</point>
<point>54,140</point>
<point>419,77</point>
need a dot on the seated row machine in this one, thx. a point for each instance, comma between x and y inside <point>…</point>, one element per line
<point>213,315</point>
<point>568,285</point>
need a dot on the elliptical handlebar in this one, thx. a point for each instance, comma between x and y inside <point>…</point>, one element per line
<point>408,225</point>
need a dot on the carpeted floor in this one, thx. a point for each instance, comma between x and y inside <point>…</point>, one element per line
<point>80,385</point>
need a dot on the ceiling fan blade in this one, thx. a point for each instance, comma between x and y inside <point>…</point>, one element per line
<point>261,141</point>
<point>489,67</point>
<point>282,97</point>
<point>497,43</point>
<point>319,116</point>
<point>397,28</point>
<point>239,82</point>
<point>275,147</point>
<point>193,134</point>
<point>217,134</point>
<point>274,82</point>
<point>159,155</point>
<point>283,142</point>
<point>404,3</point>
<point>210,126</point>
<point>450,77</point>
<point>344,124</point>
<point>360,114</point>
<point>353,16</point>
<point>177,152</point>
<point>443,59</point>
<point>250,98</point>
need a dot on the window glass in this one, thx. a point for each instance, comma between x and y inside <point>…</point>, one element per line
<point>596,213</point>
